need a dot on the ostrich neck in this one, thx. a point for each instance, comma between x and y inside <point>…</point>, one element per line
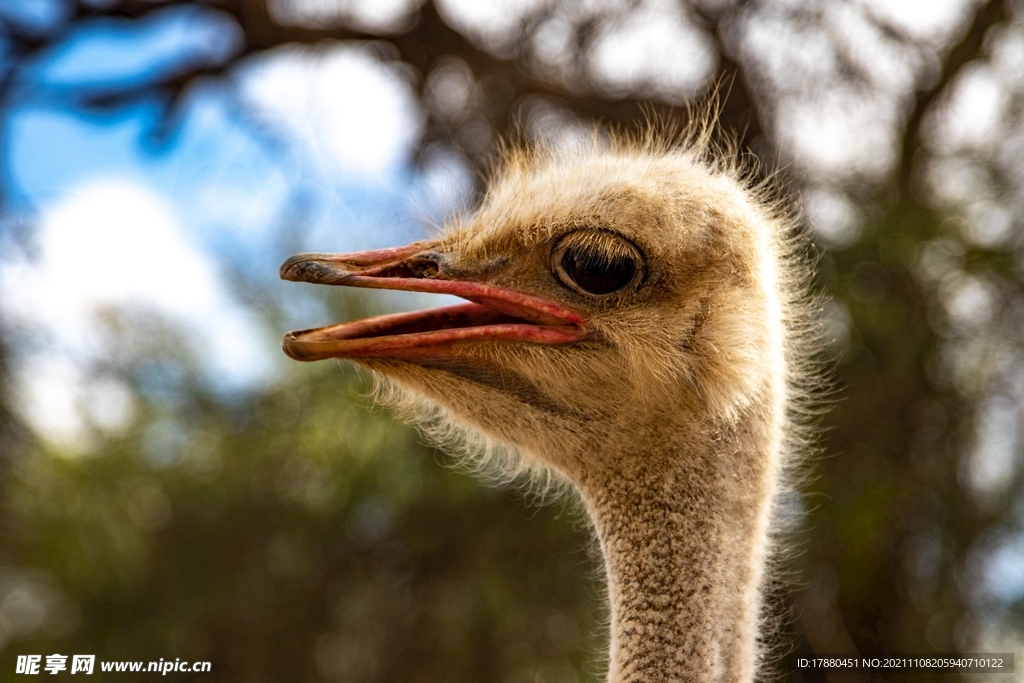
<point>684,532</point>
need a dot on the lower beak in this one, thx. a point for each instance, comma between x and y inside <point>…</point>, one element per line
<point>492,314</point>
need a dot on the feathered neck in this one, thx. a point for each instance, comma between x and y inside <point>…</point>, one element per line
<point>683,524</point>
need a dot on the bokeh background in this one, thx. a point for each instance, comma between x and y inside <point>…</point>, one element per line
<point>173,487</point>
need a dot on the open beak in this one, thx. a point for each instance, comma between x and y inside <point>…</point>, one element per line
<point>493,314</point>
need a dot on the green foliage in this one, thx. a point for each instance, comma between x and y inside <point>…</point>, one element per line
<point>290,535</point>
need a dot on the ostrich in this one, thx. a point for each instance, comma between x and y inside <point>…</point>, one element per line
<point>636,324</point>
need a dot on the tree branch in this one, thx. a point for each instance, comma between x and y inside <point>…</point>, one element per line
<point>968,48</point>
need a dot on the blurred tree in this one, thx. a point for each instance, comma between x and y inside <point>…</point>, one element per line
<point>284,536</point>
<point>912,522</point>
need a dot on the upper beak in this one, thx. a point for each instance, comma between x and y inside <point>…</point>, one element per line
<point>495,313</point>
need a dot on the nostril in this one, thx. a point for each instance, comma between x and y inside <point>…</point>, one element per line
<point>424,266</point>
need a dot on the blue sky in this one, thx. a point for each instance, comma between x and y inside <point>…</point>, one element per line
<point>305,149</point>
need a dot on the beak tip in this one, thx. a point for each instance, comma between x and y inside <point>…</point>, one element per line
<point>309,268</point>
<point>286,267</point>
<point>291,268</point>
<point>290,346</point>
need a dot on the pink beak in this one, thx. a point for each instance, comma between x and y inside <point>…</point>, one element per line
<point>494,314</point>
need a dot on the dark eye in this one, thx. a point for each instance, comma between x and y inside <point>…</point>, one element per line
<point>597,262</point>
<point>595,272</point>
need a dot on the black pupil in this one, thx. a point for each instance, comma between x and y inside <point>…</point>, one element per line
<point>598,273</point>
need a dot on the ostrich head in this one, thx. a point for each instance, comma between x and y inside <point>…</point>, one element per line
<point>607,287</point>
<point>629,326</point>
